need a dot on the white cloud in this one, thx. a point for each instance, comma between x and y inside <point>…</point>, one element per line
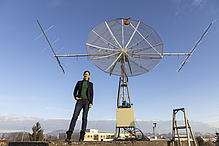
<point>199,3</point>
<point>179,7</point>
<point>176,2</point>
<point>12,97</point>
<point>55,3</point>
<point>19,122</point>
<point>212,11</point>
<point>214,123</point>
<point>182,7</point>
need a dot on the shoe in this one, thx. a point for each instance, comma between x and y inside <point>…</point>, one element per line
<point>81,136</point>
<point>68,137</point>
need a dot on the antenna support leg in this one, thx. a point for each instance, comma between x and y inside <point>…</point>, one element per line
<point>123,94</point>
<point>125,121</point>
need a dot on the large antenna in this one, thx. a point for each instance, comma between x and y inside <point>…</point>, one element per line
<point>51,47</point>
<point>193,49</point>
<point>120,47</point>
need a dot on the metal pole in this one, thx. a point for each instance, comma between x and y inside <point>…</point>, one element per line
<point>128,92</point>
<point>154,132</point>
<point>155,125</point>
<point>118,99</point>
<point>51,47</point>
<point>193,49</point>
<point>177,130</point>
<point>123,82</point>
<point>194,141</point>
<point>173,131</point>
<point>122,34</point>
<point>187,129</point>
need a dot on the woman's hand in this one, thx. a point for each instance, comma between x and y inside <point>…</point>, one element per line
<point>90,105</point>
<point>77,98</point>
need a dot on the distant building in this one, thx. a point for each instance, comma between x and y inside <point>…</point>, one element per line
<point>90,135</point>
<point>210,139</point>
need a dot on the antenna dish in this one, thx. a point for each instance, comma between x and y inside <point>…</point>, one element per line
<point>132,50</point>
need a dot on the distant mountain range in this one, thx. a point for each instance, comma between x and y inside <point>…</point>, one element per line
<point>56,132</point>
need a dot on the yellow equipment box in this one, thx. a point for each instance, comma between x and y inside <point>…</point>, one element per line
<point>125,117</point>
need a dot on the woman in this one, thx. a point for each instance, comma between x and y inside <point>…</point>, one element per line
<point>83,93</point>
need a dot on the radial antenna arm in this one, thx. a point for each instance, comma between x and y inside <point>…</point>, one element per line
<point>51,47</point>
<point>193,49</point>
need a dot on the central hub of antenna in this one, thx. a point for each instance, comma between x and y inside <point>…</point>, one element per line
<point>124,50</point>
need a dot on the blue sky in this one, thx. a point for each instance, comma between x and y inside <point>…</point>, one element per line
<point>32,83</point>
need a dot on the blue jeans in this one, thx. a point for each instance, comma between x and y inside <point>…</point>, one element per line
<point>81,104</point>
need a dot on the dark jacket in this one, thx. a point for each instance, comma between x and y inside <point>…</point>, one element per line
<point>78,89</point>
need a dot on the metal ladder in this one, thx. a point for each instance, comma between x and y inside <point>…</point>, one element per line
<point>186,126</point>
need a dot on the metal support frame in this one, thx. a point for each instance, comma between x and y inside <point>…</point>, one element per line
<point>124,103</point>
<point>123,93</point>
<point>187,127</point>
